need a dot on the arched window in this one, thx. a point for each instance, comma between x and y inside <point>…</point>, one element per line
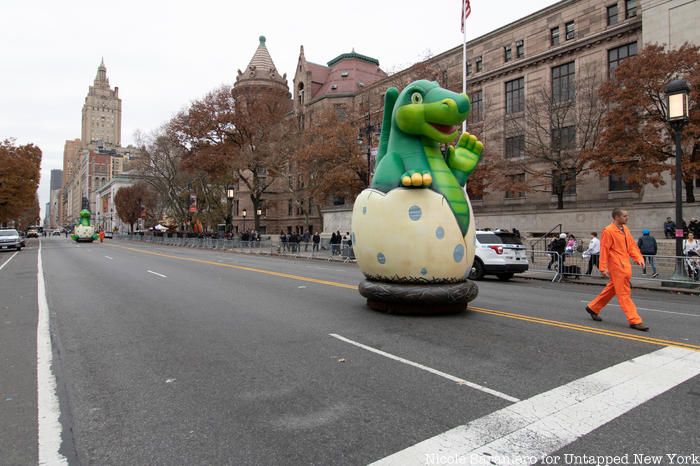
<point>300,94</point>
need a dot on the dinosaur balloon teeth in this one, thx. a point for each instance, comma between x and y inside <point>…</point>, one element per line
<point>447,129</point>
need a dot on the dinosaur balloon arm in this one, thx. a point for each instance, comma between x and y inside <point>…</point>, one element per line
<point>390,97</point>
<point>461,159</point>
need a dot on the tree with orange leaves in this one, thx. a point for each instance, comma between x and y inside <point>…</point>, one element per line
<point>636,139</point>
<point>19,181</point>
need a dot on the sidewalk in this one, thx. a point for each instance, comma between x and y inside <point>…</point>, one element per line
<point>637,283</point>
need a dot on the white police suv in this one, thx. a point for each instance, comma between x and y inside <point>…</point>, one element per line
<point>499,253</point>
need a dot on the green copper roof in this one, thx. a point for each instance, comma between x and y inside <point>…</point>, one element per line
<point>353,54</point>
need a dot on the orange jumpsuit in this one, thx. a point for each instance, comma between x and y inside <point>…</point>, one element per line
<point>616,248</point>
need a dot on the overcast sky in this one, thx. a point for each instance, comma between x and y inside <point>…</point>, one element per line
<point>164,54</point>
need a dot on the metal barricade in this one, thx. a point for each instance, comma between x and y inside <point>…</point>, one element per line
<point>545,263</point>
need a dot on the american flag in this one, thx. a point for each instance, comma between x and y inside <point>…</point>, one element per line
<point>466,10</point>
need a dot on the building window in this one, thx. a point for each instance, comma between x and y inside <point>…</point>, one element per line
<point>477,107</point>
<point>515,95</point>
<point>515,146</point>
<point>630,9</point>
<point>515,182</point>
<point>570,30</point>
<point>568,181</point>
<point>507,53</point>
<point>564,138</point>
<point>479,64</point>
<point>619,183</point>
<point>520,49</point>
<point>617,55</point>
<point>564,83</point>
<point>612,15</point>
<point>338,200</point>
<point>554,36</point>
<point>469,69</point>
<point>290,208</point>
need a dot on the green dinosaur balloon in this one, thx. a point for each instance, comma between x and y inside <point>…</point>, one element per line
<point>83,231</point>
<point>415,124</point>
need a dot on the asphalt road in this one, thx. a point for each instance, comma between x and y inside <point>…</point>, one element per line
<point>167,355</point>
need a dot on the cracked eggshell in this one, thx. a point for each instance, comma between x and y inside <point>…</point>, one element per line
<point>410,235</point>
<point>82,231</point>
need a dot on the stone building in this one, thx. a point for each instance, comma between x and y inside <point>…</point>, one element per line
<point>548,51</point>
<point>54,213</point>
<point>92,161</point>
<point>102,112</point>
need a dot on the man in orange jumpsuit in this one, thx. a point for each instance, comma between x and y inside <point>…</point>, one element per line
<point>616,248</point>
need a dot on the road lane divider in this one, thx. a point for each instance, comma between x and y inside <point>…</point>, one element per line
<point>651,310</point>
<point>476,309</point>
<point>531,430</point>
<point>110,258</point>
<point>458,380</point>
<point>48,407</point>
<point>243,267</point>
<point>8,260</point>
<point>587,329</point>
<point>156,273</point>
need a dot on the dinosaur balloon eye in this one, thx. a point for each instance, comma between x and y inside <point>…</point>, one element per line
<point>417,98</point>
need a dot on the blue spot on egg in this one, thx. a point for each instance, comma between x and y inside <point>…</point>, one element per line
<point>364,210</point>
<point>458,253</point>
<point>423,271</point>
<point>414,212</point>
<point>380,258</point>
<point>440,232</point>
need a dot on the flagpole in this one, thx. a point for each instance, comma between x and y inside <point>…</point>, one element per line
<point>464,68</point>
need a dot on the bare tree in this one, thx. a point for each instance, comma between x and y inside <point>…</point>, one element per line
<point>560,124</point>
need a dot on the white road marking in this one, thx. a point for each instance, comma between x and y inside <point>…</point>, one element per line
<point>48,409</point>
<point>156,273</point>
<point>110,258</point>
<point>654,310</point>
<point>428,369</point>
<point>539,426</point>
<point>8,260</point>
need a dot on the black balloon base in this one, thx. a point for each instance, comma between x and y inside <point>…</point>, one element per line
<point>418,299</point>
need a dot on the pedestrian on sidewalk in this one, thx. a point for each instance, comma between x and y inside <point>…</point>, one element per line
<point>647,245</point>
<point>558,246</point>
<point>616,248</point>
<point>694,227</point>
<point>317,240</point>
<point>593,253</point>
<point>669,228</point>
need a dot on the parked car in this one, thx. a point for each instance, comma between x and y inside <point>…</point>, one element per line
<point>108,234</point>
<point>56,233</point>
<point>498,253</point>
<point>10,239</point>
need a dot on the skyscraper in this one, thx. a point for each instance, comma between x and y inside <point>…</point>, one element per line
<point>102,112</point>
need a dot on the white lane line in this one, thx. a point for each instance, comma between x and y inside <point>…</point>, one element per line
<point>428,369</point>
<point>156,273</point>
<point>653,310</point>
<point>110,258</point>
<point>48,409</point>
<point>8,260</point>
<point>530,430</point>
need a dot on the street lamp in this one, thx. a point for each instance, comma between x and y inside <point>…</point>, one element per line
<point>245,214</point>
<point>368,133</point>
<point>229,197</point>
<point>677,106</point>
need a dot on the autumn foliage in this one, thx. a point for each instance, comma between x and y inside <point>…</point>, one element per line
<point>19,180</point>
<point>636,139</point>
<point>134,202</point>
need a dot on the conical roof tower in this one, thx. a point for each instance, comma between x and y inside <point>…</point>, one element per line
<point>262,73</point>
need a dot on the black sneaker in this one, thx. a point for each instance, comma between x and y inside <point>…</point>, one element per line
<point>640,326</point>
<point>594,316</point>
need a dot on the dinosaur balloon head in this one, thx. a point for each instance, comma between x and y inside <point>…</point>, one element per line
<point>85,217</point>
<point>427,110</point>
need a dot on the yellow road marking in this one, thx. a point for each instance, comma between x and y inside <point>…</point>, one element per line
<point>509,315</point>
<point>585,328</point>
<point>242,267</point>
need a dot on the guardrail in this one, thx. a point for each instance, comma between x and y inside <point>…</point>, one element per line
<point>342,252</point>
